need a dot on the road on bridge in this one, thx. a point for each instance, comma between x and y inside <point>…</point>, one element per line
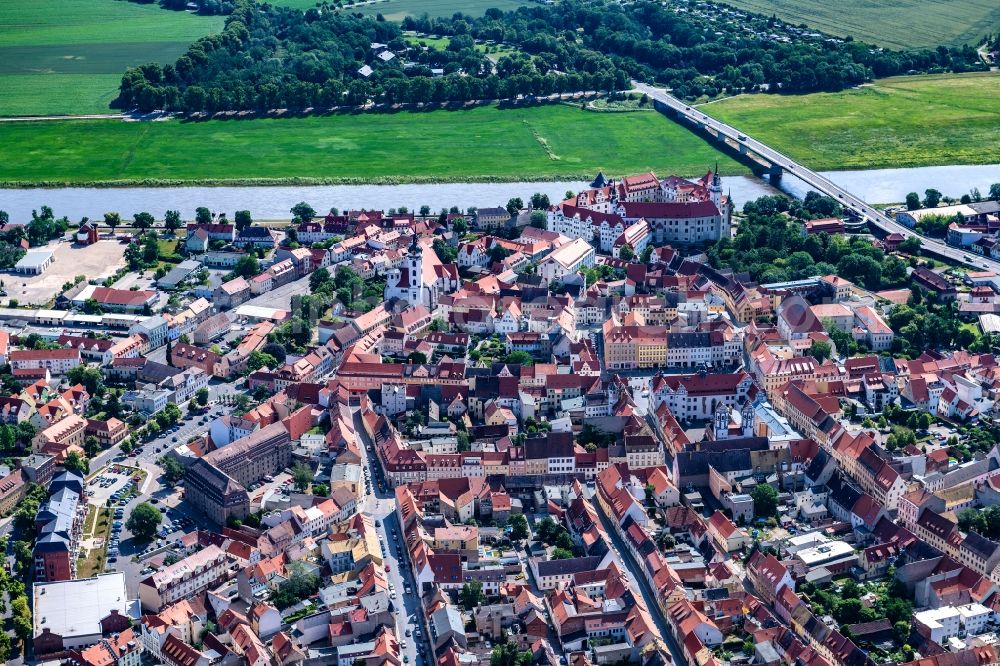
<point>813,179</point>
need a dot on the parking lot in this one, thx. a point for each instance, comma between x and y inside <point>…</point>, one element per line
<point>280,483</point>
<point>96,262</point>
<point>115,488</point>
<point>110,482</point>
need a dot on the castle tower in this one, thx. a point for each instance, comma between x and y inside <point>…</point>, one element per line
<point>715,189</point>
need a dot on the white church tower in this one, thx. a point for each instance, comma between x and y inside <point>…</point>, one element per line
<point>407,282</point>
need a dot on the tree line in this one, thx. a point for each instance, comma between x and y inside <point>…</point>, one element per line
<point>205,7</point>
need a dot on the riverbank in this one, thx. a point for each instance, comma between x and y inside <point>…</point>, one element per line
<point>906,121</point>
<point>486,144</point>
<point>274,202</point>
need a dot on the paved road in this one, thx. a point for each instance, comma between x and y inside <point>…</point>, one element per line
<point>381,505</point>
<point>626,561</point>
<point>815,180</point>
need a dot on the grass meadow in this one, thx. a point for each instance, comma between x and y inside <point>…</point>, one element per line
<point>396,10</point>
<point>68,56</point>
<point>481,144</point>
<point>896,24</point>
<point>894,122</point>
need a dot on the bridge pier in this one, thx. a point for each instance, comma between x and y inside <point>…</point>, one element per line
<point>774,174</point>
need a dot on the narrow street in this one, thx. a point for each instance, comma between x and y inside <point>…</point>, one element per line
<point>412,628</point>
<point>624,558</point>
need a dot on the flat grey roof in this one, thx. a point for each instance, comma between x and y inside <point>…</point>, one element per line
<point>33,259</point>
<point>75,607</point>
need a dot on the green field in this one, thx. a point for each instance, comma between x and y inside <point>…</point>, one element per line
<point>493,51</point>
<point>486,143</point>
<point>397,10</point>
<point>896,122</point>
<point>897,24</point>
<point>68,56</point>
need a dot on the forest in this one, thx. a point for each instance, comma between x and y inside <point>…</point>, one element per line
<point>697,53</point>
<point>274,57</point>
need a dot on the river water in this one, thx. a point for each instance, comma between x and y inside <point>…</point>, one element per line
<point>273,202</point>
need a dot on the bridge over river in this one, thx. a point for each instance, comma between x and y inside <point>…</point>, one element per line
<point>776,163</point>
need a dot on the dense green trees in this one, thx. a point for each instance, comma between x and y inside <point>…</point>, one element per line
<point>76,463</point>
<point>507,654</point>
<point>259,359</point>
<point>144,520</point>
<point>172,220</point>
<point>765,501</point>
<point>932,198</point>
<point>22,618</point>
<point>302,476</point>
<point>771,247</point>
<point>820,350</point>
<point>271,57</point>
<point>694,53</point>
<point>112,220</point>
<point>923,326</point>
<point>519,357</point>
<point>173,470</point>
<point>274,57</point>
<point>299,585</point>
<point>471,595</point>
<point>143,221</point>
<point>891,602</point>
<point>44,226</point>
<point>983,521</point>
<point>518,527</point>
<point>89,376</point>
<point>247,267</point>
